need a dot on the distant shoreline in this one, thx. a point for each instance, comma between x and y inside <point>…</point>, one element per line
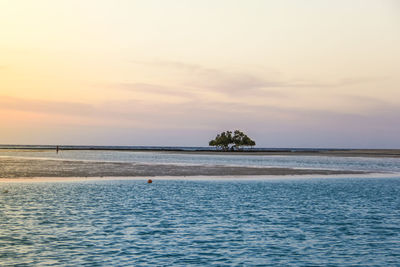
<point>392,153</point>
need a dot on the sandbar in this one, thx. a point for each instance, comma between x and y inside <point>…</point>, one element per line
<point>11,167</point>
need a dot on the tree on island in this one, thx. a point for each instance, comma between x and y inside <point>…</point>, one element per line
<point>227,141</point>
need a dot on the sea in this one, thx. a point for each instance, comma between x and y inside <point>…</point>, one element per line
<point>284,221</point>
<point>171,155</point>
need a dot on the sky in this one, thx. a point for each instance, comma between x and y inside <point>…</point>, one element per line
<point>305,73</point>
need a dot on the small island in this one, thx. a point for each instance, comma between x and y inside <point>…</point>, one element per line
<point>226,141</point>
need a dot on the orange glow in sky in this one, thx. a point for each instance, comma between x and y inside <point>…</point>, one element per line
<point>288,73</point>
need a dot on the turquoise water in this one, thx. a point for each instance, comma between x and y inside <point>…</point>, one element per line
<point>300,222</point>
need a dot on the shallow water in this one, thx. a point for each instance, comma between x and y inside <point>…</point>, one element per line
<point>279,222</point>
<point>314,162</point>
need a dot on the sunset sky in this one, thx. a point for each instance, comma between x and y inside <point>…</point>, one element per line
<point>306,73</point>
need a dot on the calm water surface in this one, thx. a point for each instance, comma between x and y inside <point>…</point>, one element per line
<point>302,222</point>
<point>316,162</point>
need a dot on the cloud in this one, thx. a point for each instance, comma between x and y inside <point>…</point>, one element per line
<point>226,82</point>
<point>45,106</point>
<point>339,83</point>
<point>209,109</point>
<point>209,116</point>
<point>195,77</point>
<point>105,112</point>
<point>154,89</point>
<point>365,100</point>
<point>193,113</point>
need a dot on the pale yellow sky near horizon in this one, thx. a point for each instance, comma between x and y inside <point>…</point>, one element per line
<point>290,73</point>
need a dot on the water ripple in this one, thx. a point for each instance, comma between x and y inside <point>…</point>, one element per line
<point>124,223</point>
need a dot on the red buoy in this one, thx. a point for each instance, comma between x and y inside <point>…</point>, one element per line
<point>149,181</point>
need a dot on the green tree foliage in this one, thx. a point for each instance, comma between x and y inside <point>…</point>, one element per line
<point>232,141</point>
